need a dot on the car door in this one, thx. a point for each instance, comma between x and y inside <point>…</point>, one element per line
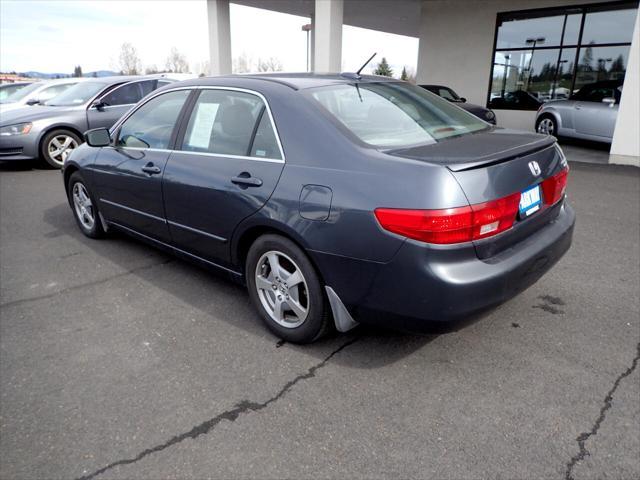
<point>593,117</point>
<point>128,175</point>
<point>110,107</point>
<point>226,165</point>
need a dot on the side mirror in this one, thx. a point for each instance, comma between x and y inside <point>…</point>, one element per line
<point>33,101</point>
<point>463,100</point>
<point>610,100</point>
<point>97,104</point>
<point>98,137</point>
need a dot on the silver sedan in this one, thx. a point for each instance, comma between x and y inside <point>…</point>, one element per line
<point>590,114</point>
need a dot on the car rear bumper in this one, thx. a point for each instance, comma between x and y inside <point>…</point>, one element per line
<point>423,285</point>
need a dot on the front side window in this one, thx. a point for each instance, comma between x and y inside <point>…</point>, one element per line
<point>550,54</point>
<point>225,122</point>
<point>394,115</point>
<point>151,125</point>
<point>127,94</point>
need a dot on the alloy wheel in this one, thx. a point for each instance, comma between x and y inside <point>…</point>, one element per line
<point>83,206</point>
<point>546,126</point>
<point>282,289</point>
<point>60,147</point>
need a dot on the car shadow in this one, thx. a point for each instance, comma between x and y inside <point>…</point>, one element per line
<point>22,166</point>
<point>374,347</point>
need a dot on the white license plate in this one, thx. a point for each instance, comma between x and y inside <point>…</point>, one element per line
<point>530,201</point>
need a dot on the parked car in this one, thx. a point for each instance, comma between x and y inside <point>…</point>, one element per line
<point>7,89</point>
<point>516,100</point>
<point>52,130</point>
<point>37,93</point>
<point>447,93</point>
<point>337,199</point>
<point>590,114</point>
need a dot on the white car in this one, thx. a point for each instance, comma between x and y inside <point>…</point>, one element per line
<point>589,114</point>
<point>37,93</point>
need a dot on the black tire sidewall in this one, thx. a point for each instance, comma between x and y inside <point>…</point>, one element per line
<point>44,153</point>
<point>97,230</point>
<point>316,322</point>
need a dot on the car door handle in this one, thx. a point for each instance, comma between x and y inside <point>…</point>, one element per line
<point>247,180</point>
<point>151,169</point>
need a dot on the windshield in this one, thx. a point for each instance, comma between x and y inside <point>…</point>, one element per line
<point>21,93</point>
<point>79,94</point>
<point>394,115</point>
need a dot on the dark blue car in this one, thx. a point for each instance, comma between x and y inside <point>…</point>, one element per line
<point>337,199</point>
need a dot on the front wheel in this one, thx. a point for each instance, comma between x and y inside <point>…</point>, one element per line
<point>57,146</point>
<point>546,124</point>
<point>286,290</point>
<point>84,207</point>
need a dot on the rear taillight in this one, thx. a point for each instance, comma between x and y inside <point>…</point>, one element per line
<point>553,187</point>
<point>452,225</point>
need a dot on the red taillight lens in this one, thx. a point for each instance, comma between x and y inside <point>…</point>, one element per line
<point>553,187</point>
<point>452,225</point>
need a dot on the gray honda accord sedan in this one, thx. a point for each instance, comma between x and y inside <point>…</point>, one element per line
<point>52,130</point>
<point>336,199</point>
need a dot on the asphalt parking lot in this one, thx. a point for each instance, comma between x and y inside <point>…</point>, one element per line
<point>118,361</point>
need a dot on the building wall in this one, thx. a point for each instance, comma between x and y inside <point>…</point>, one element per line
<point>456,47</point>
<point>625,148</point>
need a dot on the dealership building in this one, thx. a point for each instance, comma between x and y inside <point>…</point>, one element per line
<point>509,55</point>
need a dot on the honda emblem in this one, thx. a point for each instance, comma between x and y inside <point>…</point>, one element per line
<point>535,168</point>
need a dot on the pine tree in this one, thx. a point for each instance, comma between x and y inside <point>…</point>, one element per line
<point>404,76</point>
<point>383,69</point>
<point>77,71</point>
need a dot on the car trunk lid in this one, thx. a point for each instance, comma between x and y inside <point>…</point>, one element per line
<point>495,164</point>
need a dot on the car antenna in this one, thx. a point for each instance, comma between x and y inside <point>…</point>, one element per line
<point>357,76</point>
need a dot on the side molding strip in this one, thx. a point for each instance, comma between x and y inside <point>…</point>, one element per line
<point>341,316</point>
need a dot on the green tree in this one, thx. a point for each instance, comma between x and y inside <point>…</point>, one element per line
<point>404,76</point>
<point>77,71</point>
<point>383,69</point>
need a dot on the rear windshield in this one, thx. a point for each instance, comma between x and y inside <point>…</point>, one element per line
<point>79,94</point>
<point>395,115</point>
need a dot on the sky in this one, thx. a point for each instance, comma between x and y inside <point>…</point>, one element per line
<point>54,36</point>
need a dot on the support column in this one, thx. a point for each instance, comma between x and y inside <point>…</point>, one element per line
<point>312,43</point>
<point>625,147</point>
<point>219,37</point>
<point>328,36</point>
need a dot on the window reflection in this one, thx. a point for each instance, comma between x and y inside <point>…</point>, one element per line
<point>544,56</point>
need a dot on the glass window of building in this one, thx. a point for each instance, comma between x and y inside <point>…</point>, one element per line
<point>549,54</point>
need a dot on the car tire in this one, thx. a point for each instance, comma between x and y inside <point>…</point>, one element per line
<point>296,312</point>
<point>57,145</point>
<point>547,125</point>
<point>84,206</point>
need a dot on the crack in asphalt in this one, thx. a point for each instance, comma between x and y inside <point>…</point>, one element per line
<point>608,403</point>
<point>73,288</point>
<point>245,406</point>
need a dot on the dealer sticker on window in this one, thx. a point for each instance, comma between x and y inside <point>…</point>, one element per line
<point>530,201</point>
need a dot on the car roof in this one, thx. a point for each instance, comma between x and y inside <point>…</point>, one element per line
<point>296,81</point>
<point>429,85</point>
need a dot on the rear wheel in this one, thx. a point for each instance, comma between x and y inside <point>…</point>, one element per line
<point>57,145</point>
<point>84,207</point>
<point>546,124</point>
<point>286,290</point>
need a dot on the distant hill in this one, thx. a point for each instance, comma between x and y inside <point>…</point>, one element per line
<point>98,73</point>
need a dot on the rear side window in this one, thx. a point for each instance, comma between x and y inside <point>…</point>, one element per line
<point>265,143</point>
<point>152,124</point>
<point>228,122</point>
